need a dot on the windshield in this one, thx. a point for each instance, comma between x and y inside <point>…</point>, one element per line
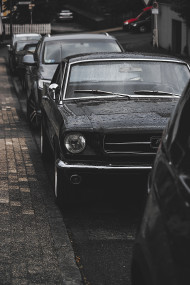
<point>55,51</point>
<point>127,77</point>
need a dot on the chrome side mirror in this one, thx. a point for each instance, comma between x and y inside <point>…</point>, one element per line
<point>9,47</point>
<point>28,60</point>
<point>54,91</point>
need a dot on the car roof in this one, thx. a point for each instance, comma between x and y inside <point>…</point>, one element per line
<point>27,41</point>
<point>25,35</point>
<point>124,55</point>
<point>84,36</point>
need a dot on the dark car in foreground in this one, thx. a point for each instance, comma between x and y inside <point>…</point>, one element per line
<point>105,113</point>
<point>49,52</point>
<point>161,253</point>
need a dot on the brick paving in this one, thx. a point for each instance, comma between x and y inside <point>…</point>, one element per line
<point>34,245</point>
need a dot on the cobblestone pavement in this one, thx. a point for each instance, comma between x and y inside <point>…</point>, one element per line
<point>34,245</point>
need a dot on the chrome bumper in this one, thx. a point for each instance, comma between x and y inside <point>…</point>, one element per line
<point>63,165</point>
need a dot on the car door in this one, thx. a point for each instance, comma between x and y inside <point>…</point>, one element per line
<point>172,181</point>
<point>52,117</point>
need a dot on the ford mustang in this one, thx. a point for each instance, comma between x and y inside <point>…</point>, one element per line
<point>105,113</point>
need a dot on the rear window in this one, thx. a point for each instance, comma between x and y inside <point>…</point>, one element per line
<point>56,50</point>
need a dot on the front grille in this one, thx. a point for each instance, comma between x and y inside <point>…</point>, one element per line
<point>132,144</point>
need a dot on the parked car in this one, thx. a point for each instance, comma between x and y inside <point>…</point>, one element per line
<point>142,26</point>
<point>105,113</point>
<point>49,53</point>
<point>19,51</point>
<point>21,68</point>
<point>146,12</point>
<point>161,252</point>
<point>12,47</point>
<point>64,15</point>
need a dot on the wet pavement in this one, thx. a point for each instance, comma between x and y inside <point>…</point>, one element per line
<point>35,247</point>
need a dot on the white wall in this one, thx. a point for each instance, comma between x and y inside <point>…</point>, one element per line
<point>165,17</point>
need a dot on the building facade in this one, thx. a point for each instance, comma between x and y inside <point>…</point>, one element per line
<point>173,33</point>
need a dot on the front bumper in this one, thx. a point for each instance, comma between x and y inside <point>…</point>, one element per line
<point>79,166</point>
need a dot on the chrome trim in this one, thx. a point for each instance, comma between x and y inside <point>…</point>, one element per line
<point>126,143</point>
<point>108,147</point>
<point>61,164</point>
<point>130,152</point>
<point>55,181</point>
<point>127,96</point>
<point>116,59</point>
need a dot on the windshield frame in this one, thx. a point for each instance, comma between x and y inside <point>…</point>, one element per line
<point>66,79</point>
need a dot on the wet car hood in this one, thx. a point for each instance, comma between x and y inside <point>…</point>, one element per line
<point>118,114</point>
<point>46,71</point>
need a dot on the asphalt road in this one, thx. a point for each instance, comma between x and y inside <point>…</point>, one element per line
<point>102,226</point>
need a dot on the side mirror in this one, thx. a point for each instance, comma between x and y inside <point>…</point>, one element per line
<point>54,91</point>
<point>9,48</point>
<point>28,59</point>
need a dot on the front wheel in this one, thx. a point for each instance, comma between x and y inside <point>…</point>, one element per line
<point>33,113</point>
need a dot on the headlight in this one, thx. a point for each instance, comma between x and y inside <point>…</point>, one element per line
<point>75,143</point>
<point>126,23</point>
<point>134,25</point>
<point>41,83</point>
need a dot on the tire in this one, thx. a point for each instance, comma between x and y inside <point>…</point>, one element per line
<point>33,113</point>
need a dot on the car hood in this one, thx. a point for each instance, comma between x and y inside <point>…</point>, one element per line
<point>118,114</point>
<point>46,71</point>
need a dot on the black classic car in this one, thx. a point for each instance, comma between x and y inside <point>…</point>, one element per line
<point>49,52</point>
<point>161,254</point>
<point>105,112</point>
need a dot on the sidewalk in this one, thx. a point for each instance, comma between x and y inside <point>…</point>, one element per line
<point>34,248</point>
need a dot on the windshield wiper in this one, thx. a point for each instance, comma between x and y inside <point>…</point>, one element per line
<point>94,91</point>
<point>155,92</point>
